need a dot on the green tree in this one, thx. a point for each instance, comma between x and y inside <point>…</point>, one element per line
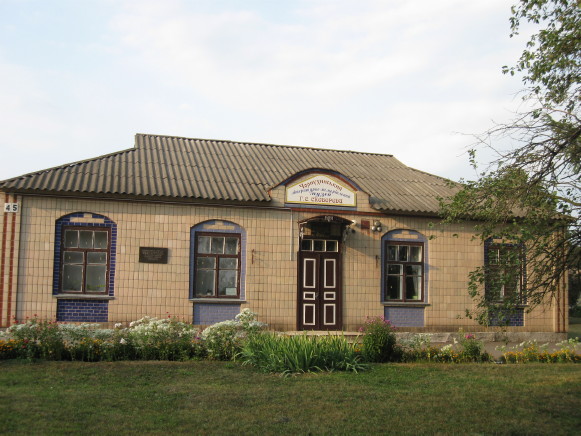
<point>529,196</point>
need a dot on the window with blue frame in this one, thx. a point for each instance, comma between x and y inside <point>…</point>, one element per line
<point>404,271</point>
<point>218,261</point>
<point>85,259</point>
<point>84,256</point>
<point>504,271</point>
<point>217,265</point>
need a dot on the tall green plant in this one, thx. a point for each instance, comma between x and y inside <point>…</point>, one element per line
<point>378,339</point>
<point>298,354</point>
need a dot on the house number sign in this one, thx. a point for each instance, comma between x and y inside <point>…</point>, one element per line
<point>11,207</point>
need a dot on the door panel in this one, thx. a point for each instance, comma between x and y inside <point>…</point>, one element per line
<point>319,293</point>
<point>309,273</point>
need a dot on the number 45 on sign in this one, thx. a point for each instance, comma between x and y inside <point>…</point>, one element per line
<point>11,207</point>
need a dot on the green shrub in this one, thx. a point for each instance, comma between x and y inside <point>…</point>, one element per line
<point>146,339</point>
<point>38,339</point>
<point>378,340</point>
<point>158,339</point>
<point>472,349</point>
<point>298,354</point>
<point>224,340</point>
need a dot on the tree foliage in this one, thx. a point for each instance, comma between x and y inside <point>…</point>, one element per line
<point>530,194</point>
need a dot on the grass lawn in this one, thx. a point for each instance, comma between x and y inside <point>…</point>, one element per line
<point>574,327</point>
<point>225,398</point>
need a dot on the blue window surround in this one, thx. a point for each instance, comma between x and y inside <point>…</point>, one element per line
<point>67,221</point>
<point>395,235</point>
<point>515,317</point>
<point>82,310</point>
<point>235,229</point>
<point>208,313</point>
<point>490,241</point>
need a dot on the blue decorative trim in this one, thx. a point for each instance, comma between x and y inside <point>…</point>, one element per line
<point>512,318</point>
<point>395,236</point>
<point>207,314</point>
<point>236,229</point>
<point>82,310</point>
<point>405,316</point>
<point>66,221</point>
<point>490,241</point>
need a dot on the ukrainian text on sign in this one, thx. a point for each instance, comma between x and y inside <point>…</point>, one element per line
<point>152,255</point>
<point>321,190</point>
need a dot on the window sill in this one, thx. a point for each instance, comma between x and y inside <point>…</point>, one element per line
<point>404,304</point>
<point>218,300</point>
<point>82,297</point>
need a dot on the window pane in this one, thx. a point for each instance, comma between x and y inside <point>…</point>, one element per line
<point>403,253</point>
<point>85,239</point>
<point>71,238</point>
<point>229,263</point>
<point>332,246</point>
<point>72,277</point>
<point>413,270</point>
<point>204,244</point>
<point>415,254</point>
<point>394,287</point>
<point>206,262</point>
<point>231,246</point>
<point>307,245</point>
<point>493,256</point>
<point>395,269</point>
<point>96,257</point>
<point>319,245</point>
<point>96,278</point>
<point>510,279</point>
<point>217,245</point>
<point>205,283</point>
<point>73,257</point>
<point>227,283</point>
<point>392,252</point>
<point>412,288</point>
<point>101,240</point>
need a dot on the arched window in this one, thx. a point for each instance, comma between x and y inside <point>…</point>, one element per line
<point>404,272</point>
<point>84,261</point>
<point>218,260</point>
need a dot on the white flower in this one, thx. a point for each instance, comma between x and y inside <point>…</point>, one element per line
<point>122,341</point>
<point>118,325</point>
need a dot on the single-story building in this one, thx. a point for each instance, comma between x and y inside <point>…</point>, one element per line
<point>310,239</point>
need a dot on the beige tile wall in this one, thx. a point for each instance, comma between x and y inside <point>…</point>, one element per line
<point>272,241</point>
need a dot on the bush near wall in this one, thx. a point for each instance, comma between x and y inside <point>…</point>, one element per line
<point>145,339</point>
<point>243,339</point>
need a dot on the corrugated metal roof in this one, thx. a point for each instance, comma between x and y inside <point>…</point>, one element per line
<point>204,169</point>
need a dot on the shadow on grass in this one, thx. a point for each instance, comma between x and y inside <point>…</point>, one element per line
<point>574,328</point>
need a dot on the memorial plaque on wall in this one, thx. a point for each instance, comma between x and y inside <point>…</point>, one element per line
<point>153,255</point>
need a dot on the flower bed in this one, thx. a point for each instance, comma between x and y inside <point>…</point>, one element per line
<point>242,338</point>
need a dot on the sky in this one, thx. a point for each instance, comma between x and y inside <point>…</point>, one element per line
<point>412,78</point>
